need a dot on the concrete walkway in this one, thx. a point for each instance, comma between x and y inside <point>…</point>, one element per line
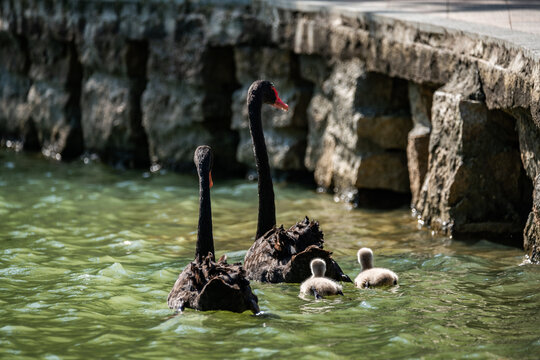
<point>514,15</point>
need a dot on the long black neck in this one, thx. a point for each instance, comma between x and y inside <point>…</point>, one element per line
<point>267,210</point>
<point>205,240</point>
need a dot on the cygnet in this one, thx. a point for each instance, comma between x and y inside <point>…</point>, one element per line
<point>317,284</point>
<point>370,276</point>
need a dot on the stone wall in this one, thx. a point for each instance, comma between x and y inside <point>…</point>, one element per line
<point>383,108</point>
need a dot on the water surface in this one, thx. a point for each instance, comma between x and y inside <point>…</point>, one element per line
<point>88,255</point>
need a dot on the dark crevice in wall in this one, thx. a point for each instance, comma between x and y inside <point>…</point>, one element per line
<point>380,199</point>
<point>394,103</point>
<point>526,190</point>
<point>22,42</point>
<point>127,147</point>
<point>219,83</point>
<point>305,89</point>
<point>508,198</point>
<point>136,60</point>
<point>74,142</point>
<point>30,136</point>
<point>525,183</point>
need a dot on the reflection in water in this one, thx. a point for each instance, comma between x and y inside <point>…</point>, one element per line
<point>88,256</point>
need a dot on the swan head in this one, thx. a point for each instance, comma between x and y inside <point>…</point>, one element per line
<point>318,267</point>
<point>269,94</point>
<point>204,159</point>
<point>365,258</point>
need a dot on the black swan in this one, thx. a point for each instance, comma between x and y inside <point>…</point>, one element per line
<point>205,284</point>
<point>279,255</point>
<point>370,276</point>
<point>317,284</point>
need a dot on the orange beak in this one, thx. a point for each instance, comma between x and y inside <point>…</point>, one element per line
<point>211,182</point>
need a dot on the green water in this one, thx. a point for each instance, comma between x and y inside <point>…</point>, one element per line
<point>88,255</point>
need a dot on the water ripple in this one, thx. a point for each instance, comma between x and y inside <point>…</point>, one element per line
<point>89,254</point>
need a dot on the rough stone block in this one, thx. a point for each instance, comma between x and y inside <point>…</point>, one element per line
<point>14,110</point>
<point>227,27</point>
<point>58,132</point>
<point>44,114</point>
<point>319,109</point>
<point>354,118</point>
<point>13,53</point>
<point>178,117</point>
<point>364,170</point>
<point>467,189</point>
<point>324,166</point>
<point>111,119</point>
<point>169,109</point>
<point>314,68</point>
<point>261,63</point>
<point>531,233</point>
<point>180,55</point>
<point>529,142</point>
<point>102,47</point>
<point>389,132</point>
<point>144,20</point>
<point>49,60</point>
<point>417,159</point>
<point>420,100</point>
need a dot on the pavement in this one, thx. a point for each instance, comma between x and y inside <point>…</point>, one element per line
<point>512,15</point>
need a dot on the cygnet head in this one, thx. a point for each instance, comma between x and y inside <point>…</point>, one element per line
<point>365,258</point>
<point>318,267</point>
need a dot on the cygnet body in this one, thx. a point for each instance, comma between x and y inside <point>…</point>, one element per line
<point>317,284</point>
<point>370,276</point>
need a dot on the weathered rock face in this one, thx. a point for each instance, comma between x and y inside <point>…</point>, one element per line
<point>529,143</point>
<point>114,79</point>
<point>468,190</point>
<point>531,234</point>
<point>426,55</point>
<point>112,125</point>
<point>420,99</point>
<point>14,87</point>
<point>149,81</point>
<point>188,98</point>
<point>55,72</point>
<point>358,125</point>
<point>39,90</point>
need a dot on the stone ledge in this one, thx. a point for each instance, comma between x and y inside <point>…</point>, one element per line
<point>361,82</point>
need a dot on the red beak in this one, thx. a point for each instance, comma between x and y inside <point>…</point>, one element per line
<point>280,105</point>
<point>211,182</point>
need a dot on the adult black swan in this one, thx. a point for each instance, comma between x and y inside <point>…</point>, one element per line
<point>205,284</point>
<point>279,255</point>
